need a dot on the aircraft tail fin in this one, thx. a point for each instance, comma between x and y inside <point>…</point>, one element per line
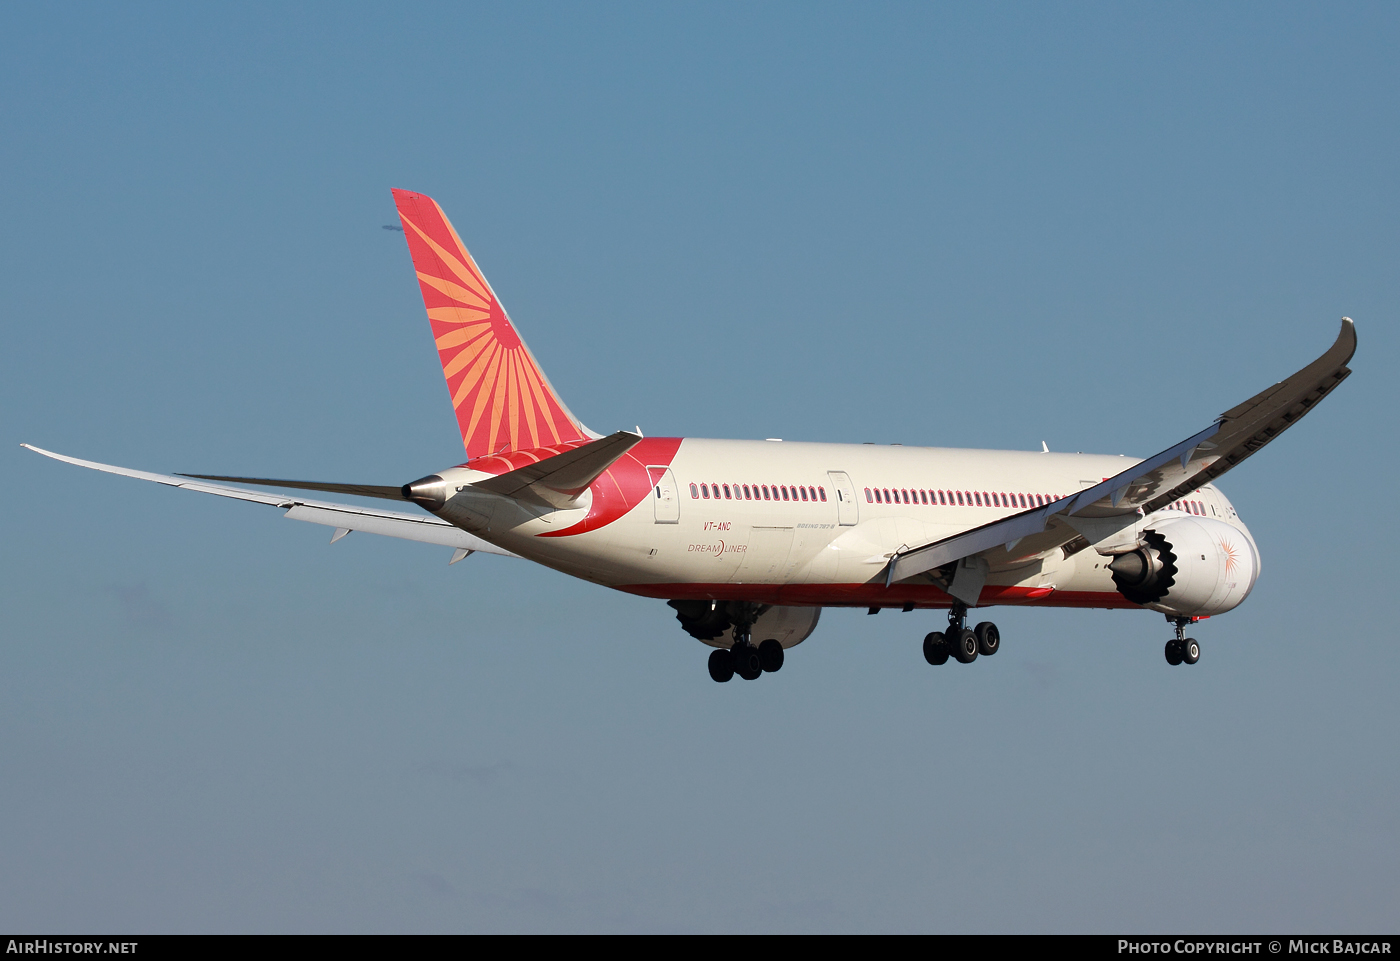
<point>502,398</point>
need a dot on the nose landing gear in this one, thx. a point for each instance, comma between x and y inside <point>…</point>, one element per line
<point>959,642</point>
<point>1182,649</point>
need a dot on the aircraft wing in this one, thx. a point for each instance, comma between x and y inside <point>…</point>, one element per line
<point>344,517</point>
<point>1098,512</point>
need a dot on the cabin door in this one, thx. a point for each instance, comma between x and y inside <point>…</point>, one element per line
<point>847,511</point>
<point>665,495</point>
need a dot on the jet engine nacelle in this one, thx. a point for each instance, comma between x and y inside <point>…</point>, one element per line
<point>1188,567</point>
<point>713,621</point>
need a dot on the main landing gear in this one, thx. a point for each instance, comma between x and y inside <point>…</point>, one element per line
<point>960,642</point>
<point>1182,649</point>
<point>745,659</point>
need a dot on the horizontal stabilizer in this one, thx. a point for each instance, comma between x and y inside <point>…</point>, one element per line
<point>1154,483</point>
<point>354,490</point>
<point>559,480</point>
<point>413,527</point>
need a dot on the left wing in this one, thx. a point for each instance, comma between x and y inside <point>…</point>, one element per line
<point>344,517</point>
<point>1102,510</point>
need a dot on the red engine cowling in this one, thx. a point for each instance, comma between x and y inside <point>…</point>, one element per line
<point>1189,567</point>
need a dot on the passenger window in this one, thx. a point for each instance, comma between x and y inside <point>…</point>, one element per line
<point>726,492</point>
<point>813,492</point>
<point>868,498</point>
<point>822,492</point>
<point>765,491</point>
<point>940,498</point>
<point>694,491</point>
<point>705,491</point>
<point>784,490</point>
<point>923,497</point>
<point>804,492</point>
<point>977,498</point>
<point>959,496</point>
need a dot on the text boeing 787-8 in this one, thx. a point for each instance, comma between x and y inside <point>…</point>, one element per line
<point>749,540</point>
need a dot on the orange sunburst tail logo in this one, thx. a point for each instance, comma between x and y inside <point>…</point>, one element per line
<point>502,398</point>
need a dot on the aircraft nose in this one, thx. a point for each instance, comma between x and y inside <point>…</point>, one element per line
<point>429,492</point>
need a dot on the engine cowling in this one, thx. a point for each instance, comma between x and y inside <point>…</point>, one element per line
<point>1188,567</point>
<point>713,622</point>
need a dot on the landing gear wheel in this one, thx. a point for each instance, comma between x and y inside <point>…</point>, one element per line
<point>770,655</point>
<point>988,638</point>
<point>721,665</point>
<point>935,649</point>
<point>1173,652</point>
<point>965,647</point>
<point>1190,651</point>
<point>746,661</point>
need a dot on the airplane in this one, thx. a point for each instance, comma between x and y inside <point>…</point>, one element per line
<point>748,540</point>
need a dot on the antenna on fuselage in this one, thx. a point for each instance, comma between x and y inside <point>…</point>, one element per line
<point>1044,448</point>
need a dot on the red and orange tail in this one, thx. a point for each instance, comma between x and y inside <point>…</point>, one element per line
<point>502,398</point>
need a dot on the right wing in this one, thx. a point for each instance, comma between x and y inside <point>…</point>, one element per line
<point>1152,484</point>
<point>344,517</point>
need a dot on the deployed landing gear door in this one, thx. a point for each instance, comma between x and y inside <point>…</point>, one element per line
<point>847,512</point>
<point>665,495</point>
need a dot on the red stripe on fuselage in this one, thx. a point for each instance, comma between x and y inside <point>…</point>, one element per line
<point>624,485</point>
<point>877,595</point>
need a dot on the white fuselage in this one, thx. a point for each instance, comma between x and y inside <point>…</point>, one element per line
<point>815,524</point>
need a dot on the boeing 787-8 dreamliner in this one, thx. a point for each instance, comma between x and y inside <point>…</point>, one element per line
<point>749,539</point>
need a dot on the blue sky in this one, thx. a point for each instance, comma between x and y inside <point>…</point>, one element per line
<point>984,225</point>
